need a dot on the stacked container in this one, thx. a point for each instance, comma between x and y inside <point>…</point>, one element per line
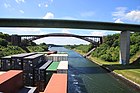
<point>40,76</point>
<point>11,81</point>
<point>58,57</point>
<point>17,60</point>
<point>29,63</point>
<point>57,84</point>
<point>5,63</point>
<point>63,67</point>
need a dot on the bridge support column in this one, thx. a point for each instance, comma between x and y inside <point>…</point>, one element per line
<point>124,47</point>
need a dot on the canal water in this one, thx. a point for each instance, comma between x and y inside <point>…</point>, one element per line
<point>85,76</point>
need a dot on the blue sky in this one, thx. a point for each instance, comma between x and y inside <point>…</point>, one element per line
<point>119,11</point>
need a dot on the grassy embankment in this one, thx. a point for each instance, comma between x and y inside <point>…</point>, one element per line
<point>131,72</point>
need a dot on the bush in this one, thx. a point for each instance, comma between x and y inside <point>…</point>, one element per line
<point>3,42</point>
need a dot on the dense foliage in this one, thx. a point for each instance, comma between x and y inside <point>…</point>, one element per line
<point>38,48</point>
<point>109,50</point>
<point>84,48</point>
<point>6,48</point>
<point>10,50</point>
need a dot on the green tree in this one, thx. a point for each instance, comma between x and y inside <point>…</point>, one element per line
<point>3,42</point>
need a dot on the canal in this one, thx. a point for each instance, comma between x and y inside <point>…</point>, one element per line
<point>85,76</point>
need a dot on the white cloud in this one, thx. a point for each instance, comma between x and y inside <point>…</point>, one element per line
<point>122,14</point>
<point>46,5</point>
<point>118,21</point>
<point>7,5</point>
<point>21,11</point>
<point>65,31</point>
<point>98,33</point>
<point>42,5</point>
<point>22,31</point>
<point>88,14</point>
<point>51,0</point>
<point>39,5</point>
<point>133,16</point>
<point>20,1</point>
<point>69,18</point>
<point>49,15</point>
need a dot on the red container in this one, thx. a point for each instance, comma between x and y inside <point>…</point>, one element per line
<point>11,81</point>
<point>57,84</point>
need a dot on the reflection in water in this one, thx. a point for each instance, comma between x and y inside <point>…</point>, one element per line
<point>86,77</point>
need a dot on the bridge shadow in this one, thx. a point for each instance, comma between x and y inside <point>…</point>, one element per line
<point>122,67</point>
<point>88,70</point>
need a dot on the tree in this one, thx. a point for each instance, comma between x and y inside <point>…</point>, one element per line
<point>3,42</point>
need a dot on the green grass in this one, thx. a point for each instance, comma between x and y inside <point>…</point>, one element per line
<point>132,74</point>
<point>135,57</point>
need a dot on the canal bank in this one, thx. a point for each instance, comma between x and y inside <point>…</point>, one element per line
<point>84,76</point>
<point>129,82</point>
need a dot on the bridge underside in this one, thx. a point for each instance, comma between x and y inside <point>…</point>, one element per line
<point>95,40</point>
<point>75,24</point>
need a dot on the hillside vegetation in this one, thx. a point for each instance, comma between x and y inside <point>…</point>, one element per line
<point>109,50</point>
<point>107,55</point>
<point>6,48</point>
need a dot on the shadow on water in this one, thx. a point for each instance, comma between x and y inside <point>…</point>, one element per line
<point>122,67</point>
<point>89,70</point>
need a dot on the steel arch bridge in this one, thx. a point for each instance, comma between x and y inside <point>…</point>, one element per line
<point>95,40</point>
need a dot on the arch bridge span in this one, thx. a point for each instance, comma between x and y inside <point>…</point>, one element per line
<point>95,40</point>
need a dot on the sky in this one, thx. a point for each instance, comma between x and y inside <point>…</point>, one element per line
<point>117,11</point>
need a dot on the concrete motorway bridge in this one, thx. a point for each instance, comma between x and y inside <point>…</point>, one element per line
<point>77,24</point>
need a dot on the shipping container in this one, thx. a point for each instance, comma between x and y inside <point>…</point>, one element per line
<point>5,63</point>
<point>50,70</point>
<point>42,71</point>
<point>11,81</point>
<point>53,67</point>
<point>58,57</point>
<point>57,84</point>
<point>29,64</point>
<point>29,90</point>
<point>17,60</point>
<point>40,76</point>
<point>62,67</point>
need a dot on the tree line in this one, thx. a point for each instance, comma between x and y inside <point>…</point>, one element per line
<point>110,48</point>
<point>6,47</point>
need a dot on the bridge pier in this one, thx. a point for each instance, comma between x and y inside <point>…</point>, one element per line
<point>124,47</point>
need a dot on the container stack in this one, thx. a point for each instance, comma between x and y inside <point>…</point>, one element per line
<point>58,57</point>
<point>40,76</point>
<point>29,63</point>
<point>57,84</point>
<point>5,63</point>
<point>17,60</point>
<point>11,81</point>
<point>37,72</point>
<point>58,81</point>
<point>63,67</point>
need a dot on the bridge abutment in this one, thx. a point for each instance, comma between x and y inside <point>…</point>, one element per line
<point>124,47</point>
